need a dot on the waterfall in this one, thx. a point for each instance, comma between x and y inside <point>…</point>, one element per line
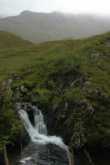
<point>38,132</point>
<point>40,125</point>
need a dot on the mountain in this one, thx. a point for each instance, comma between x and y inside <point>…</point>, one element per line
<point>40,27</point>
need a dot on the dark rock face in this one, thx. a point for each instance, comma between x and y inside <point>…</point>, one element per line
<point>50,154</point>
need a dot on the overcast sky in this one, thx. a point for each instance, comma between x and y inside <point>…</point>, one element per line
<point>13,7</point>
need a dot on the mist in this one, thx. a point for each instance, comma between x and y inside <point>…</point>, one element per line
<point>94,7</point>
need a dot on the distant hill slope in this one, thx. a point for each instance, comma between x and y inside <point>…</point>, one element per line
<point>12,50</point>
<point>40,27</point>
<point>17,54</point>
<point>8,40</point>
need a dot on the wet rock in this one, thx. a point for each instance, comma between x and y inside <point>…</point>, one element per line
<point>50,154</point>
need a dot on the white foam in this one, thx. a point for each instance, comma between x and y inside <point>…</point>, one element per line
<point>35,133</point>
<point>24,160</point>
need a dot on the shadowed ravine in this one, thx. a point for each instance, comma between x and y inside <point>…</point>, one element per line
<point>43,149</point>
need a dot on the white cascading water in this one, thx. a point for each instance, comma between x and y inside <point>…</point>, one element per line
<point>38,133</point>
<point>40,125</point>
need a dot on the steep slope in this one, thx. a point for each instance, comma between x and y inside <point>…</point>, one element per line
<point>70,81</point>
<point>40,27</point>
<point>13,53</point>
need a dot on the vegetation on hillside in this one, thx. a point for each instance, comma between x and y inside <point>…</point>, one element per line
<point>69,80</point>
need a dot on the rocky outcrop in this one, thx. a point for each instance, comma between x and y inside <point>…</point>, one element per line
<point>35,154</point>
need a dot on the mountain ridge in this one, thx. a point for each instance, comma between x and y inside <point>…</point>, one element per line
<point>40,27</point>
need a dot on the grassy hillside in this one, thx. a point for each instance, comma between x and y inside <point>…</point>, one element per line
<point>12,52</point>
<point>69,80</point>
<point>8,40</point>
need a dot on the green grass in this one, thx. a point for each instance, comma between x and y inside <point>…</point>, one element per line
<point>92,54</point>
